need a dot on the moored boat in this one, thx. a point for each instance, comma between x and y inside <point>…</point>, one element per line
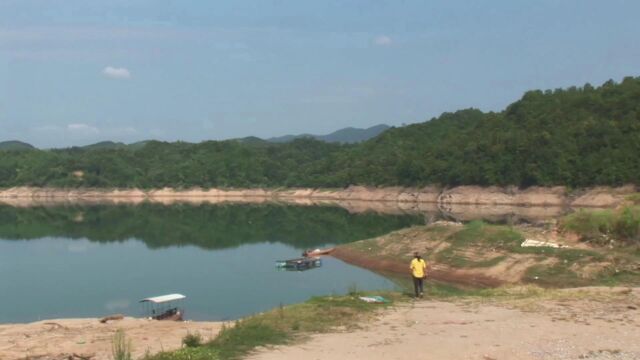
<point>164,307</point>
<point>318,252</point>
<point>304,263</point>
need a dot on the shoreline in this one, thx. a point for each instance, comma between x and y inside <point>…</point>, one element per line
<point>78,338</point>
<point>462,195</point>
<point>574,310</point>
<point>396,268</point>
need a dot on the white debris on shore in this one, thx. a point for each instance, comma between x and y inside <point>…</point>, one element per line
<point>538,243</point>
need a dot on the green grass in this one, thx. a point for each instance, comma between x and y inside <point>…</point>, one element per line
<point>557,275</point>
<point>605,227</point>
<point>634,198</point>
<point>478,235</point>
<point>283,325</point>
<point>120,346</point>
<point>193,353</point>
<point>246,335</point>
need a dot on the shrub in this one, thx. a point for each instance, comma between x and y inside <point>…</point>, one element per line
<point>602,226</point>
<point>627,224</point>
<point>589,225</point>
<point>192,340</point>
<point>120,347</point>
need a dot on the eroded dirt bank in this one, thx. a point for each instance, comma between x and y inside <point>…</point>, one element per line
<point>406,198</point>
<point>394,268</point>
<point>89,339</point>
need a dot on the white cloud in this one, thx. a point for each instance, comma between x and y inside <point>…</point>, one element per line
<point>383,40</point>
<point>82,129</point>
<point>116,73</point>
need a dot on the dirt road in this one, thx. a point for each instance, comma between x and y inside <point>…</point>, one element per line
<point>545,329</point>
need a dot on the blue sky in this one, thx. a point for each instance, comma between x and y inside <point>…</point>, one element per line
<point>74,72</point>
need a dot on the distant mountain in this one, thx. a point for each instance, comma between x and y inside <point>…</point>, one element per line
<point>115,145</point>
<point>252,140</point>
<point>15,145</point>
<point>104,145</point>
<point>138,145</point>
<point>346,135</point>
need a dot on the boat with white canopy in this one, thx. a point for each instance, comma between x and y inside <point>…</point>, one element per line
<point>164,307</point>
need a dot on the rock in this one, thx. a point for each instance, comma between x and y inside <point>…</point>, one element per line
<point>111,317</point>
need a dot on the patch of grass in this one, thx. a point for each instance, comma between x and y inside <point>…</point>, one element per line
<point>120,346</point>
<point>588,224</point>
<point>246,335</point>
<point>438,230</point>
<point>568,255</point>
<point>443,290</point>
<point>605,227</point>
<point>634,198</point>
<point>557,275</point>
<point>366,246</point>
<point>450,258</point>
<point>197,353</point>
<point>192,340</point>
<point>620,277</point>
<point>478,235</point>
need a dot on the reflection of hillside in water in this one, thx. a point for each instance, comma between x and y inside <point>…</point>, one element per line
<point>225,223</point>
<point>428,210</point>
<point>457,212</point>
<point>205,225</point>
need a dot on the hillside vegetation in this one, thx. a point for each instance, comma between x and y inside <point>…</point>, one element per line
<point>346,135</point>
<point>580,136</point>
<point>14,145</point>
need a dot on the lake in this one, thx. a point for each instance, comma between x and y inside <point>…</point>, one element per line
<point>91,261</point>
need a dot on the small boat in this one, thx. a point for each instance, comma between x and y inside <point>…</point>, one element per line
<point>318,252</point>
<point>164,307</point>
<point>304,263</point>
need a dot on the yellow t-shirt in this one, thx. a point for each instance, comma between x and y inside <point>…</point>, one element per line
<point>418,268</point>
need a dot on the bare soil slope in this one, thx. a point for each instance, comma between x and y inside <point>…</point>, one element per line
<point>488,255</point>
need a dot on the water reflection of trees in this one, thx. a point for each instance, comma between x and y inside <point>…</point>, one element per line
<point>206,226</point>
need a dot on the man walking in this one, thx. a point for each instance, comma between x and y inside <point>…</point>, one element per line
<point>418,269</point>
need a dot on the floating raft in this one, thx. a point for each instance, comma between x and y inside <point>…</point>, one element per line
<point>304,263</point>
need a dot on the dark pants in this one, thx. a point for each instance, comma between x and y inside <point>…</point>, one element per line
<point>417,285</point>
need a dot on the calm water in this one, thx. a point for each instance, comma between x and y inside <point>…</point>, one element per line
<point>94,261</point>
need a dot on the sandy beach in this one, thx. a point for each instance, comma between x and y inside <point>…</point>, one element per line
<point>90,339</point>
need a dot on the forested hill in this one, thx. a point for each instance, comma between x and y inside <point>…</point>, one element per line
<point>346,135</point>
<point>580,136</point>
<point>14,145</point>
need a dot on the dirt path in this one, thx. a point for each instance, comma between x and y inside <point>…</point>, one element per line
<point>549,329</point>
<point>59,339</point>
